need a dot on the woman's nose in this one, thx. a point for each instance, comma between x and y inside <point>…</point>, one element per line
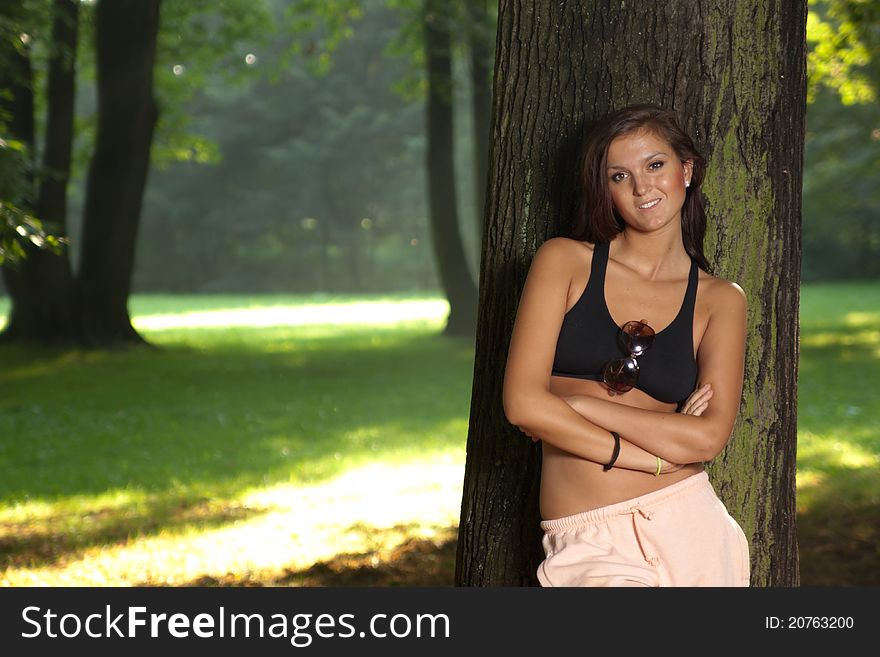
<point>640,185</point>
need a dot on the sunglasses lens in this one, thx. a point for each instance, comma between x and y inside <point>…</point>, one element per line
<point>621,374</point>
<point>637,337</point>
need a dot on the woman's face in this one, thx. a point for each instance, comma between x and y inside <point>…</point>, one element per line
<point>646,180</point>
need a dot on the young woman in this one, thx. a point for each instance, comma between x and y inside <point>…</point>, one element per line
<point>621,340</point>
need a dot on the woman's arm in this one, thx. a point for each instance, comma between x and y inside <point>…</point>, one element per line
<point>528,402</point>
<point>630,457</point>
<point>696,404</point>
<point>685,438</point>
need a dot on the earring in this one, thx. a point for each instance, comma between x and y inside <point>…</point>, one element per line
<point>687,183</point>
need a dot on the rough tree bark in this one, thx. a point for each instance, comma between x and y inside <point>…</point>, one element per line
<point>480,48</point>
<point>460,289</point>
<point>126,32</point>
<point>734,72</point>
<point>41,287</point>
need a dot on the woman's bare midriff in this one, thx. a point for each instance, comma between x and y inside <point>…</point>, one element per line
<point>570,484</point>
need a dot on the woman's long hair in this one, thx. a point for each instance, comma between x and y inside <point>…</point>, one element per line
<point>598,220</point>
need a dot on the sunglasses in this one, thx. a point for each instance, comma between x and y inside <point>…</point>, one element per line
<point>621,374</point>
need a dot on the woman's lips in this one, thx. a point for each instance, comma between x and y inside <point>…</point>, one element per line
<point>649,205</point>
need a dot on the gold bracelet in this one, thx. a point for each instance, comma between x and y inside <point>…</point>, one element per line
<point>659,465</point>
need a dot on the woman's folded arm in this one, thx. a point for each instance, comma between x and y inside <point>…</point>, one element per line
<point>678,437</point>
<point>547,417</point>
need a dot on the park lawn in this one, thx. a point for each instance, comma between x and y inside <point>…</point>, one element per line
<point>838,458</point>
<point>253,444</point>
<point>270,440</point>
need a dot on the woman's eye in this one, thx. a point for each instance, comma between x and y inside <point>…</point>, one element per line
<point>617,177</point>
<point>655,165</point>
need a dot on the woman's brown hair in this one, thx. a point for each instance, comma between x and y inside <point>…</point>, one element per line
<point>598,220</point>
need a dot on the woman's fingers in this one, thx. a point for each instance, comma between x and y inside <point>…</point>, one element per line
<point>698,400</point>
<point>698,410</point>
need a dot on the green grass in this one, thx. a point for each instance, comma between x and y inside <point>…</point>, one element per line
<point>839,435</point>
<point>101,445</point>
<point>254,393</point>
<point>216,410</point>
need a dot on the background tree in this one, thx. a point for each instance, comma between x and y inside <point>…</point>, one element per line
<point>126,33</point>
<point>458,285</point>
<point>38,278</point>
<point>47,302</point>
<point>735,74</point>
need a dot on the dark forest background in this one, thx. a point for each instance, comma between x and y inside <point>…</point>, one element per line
<point>290,150</point>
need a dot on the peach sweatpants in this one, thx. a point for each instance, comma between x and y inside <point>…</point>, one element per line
<point>680,535</point>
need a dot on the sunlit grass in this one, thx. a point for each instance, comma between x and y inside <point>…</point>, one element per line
<point>839,376</point>
<point>235,448</point>
<point>156,312</point>
<point>327,315</point>
<point>269,532</point>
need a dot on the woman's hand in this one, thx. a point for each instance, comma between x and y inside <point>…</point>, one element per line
<point>698,402</point>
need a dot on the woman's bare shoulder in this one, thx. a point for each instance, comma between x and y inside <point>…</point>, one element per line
<point>566,248</point>
<point>721,293</point>
<point>561,258</point>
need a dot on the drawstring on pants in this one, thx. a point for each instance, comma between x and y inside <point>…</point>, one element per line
<point>638,513</point>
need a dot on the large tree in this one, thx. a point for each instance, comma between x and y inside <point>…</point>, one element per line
<point>42,285</point>
<point>734,71</point>
<point>48,304</point>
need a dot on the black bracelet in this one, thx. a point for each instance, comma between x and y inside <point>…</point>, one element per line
<point>616,452</point>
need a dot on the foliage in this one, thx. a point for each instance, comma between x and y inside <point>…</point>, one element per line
<point>409,42</point>
<point>841,202</point>
<point>319,185</point>
<point>210,43</point>
<point>841,199</point>
<point>843,38</point>
<point>201,43</point>
<point>17,229</point>
<point>322,26</point>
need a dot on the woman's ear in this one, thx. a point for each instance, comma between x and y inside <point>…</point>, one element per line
<point>688,166</point>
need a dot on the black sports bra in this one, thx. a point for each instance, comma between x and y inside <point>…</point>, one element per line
<point>588,339</point>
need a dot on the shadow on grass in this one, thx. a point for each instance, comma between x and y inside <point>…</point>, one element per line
<point>224,419</point>
<point>839,534</point>
<point>415,562</point>
<point>60,536</point>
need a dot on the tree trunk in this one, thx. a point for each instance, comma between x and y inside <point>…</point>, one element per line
<point>126,32</point>
<point>480,46</point>
<point>734,71</point>
<point>41,288</point>
<point>458,285</point>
